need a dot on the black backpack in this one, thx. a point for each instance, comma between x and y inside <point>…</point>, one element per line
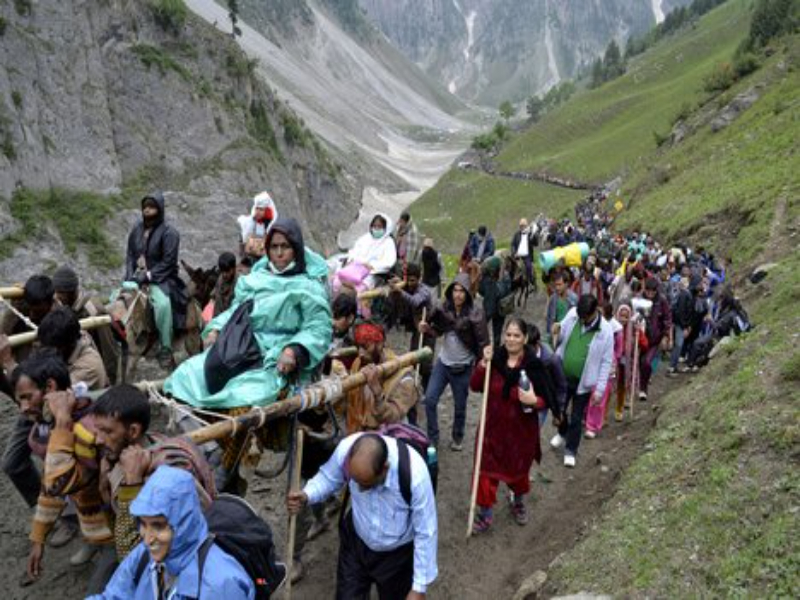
<point>238,530</point>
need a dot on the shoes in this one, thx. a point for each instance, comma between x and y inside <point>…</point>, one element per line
<point>456,445</point>
<point>618,416</point>
<point>569,461</point>
<point>482,523</point>
<point>298,571</point>
<point>694,369</point>
<point>165,359</point>
<point>672,372</point>
<point>318,528</point>
<point>63,532</point>
<point>83,555</point>
<point>519,512</point>
<point>557,441</point>
<point>642,396</point>
<point>590,435</point>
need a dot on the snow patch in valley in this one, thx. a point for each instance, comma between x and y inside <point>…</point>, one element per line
<point>658,10</point>
<point>552,67</point>
<point>469,23</point>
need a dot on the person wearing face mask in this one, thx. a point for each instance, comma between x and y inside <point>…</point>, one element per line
<point>254,227</point>
<point>370,259</point>
<point>180,560</point>
<point>290,320</point>
<point>151,263</point>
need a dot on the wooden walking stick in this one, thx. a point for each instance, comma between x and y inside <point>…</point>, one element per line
<point>479,448</point>
<point>298,461</point>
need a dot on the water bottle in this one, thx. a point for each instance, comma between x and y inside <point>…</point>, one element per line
<point>433,465</point>
<point>525,385</point>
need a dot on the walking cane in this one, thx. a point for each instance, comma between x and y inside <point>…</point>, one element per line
<point>479,449</point>
<point>298,461</point>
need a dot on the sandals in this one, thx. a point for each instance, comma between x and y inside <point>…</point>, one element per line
<point>482,523</point>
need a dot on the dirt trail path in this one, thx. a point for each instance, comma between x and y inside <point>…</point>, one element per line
<point>493,565</point>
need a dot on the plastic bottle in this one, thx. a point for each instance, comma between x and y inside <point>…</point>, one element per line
<point>433,465</point>
<point>525,385</point>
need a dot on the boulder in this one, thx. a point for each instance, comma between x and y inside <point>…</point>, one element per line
<point>532,586</point>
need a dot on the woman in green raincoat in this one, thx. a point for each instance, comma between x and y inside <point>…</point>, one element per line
<point>291,321</point>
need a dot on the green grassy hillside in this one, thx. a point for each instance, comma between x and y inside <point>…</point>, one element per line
<point>463,200</point>
<point>603,131</point>
<point>595,136</point>
<point>724,186</point>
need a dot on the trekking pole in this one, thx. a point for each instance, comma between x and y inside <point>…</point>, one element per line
<point>298,461</point>
<point>479,449</point>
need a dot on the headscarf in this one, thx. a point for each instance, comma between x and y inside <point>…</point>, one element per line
<point>368,333</point>
<point>294,234</point>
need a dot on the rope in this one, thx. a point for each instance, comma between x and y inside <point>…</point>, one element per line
<point>20,316</point>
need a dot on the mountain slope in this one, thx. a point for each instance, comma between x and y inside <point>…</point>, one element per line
<point>490,51</point>
<point>98,97</point>
<point>396,128</point>
<point>603,133</point>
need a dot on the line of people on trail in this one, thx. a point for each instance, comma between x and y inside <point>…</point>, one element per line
<point>156,510</point>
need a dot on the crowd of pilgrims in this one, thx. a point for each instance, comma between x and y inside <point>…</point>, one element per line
<point>278,316</point>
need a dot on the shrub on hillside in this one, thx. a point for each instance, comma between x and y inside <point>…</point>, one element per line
<point>745,63</point>
<point>170,15</point>
<point>485,142</point>
<point>720,79</point>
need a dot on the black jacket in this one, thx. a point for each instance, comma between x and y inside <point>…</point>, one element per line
<point>160,251</point>
<point>469,325</point>
<point>684,309</point>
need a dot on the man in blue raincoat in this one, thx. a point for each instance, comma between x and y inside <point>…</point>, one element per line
<point>173,529</point>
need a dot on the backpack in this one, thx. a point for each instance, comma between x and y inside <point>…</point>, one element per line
<point>238,530</point>
<point>408,435</point>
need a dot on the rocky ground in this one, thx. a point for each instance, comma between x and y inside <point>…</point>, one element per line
<point>562,505</point>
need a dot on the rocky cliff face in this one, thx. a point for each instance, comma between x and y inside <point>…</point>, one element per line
<point>98,96</point>
<point>491,50</point>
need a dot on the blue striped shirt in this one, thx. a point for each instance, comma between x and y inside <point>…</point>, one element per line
<point>381,517</point>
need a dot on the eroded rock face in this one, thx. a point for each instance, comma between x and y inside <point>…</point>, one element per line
<point>491,50</point>
<point>96,96</point>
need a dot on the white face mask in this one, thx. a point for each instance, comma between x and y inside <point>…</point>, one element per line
<point>278,271</point>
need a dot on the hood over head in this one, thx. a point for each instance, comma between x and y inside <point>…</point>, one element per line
<point>461,279</point>
<point>264,200</point>
<point>291,229</point>
<point>389,224</point>
<point>170,492</point>
<point>157,197</point>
